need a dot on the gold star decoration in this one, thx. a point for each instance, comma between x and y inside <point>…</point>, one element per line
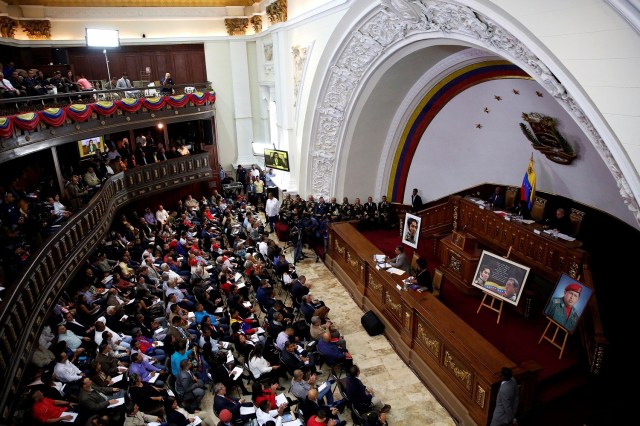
<point>516,92</point>
<point>497,98</point>
<point>478,126</point>
<point>539,94</point>
<point>486,109</point>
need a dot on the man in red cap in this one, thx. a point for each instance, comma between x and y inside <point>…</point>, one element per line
<point>562,309</point>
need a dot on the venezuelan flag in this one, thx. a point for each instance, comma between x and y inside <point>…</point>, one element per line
<point>528,189</point>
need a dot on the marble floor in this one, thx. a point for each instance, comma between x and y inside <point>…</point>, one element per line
<point>381,368</point>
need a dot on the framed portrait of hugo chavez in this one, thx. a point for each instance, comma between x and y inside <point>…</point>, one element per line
<point>411,230</point>
<point>567,302</point>
<point>500,277</point>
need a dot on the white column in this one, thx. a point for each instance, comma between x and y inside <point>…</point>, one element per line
<point>284,104</point>
<point>242,100</point>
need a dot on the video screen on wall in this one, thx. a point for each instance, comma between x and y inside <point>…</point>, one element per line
<point>276,159</point>
<point>91,146</point>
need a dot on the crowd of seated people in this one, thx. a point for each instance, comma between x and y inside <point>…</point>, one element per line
<point>17,82</point>
<point>175,301</point>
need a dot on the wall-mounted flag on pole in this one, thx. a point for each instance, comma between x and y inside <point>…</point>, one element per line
<point>528,189</point>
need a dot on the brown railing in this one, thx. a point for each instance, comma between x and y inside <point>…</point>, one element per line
<point>27,304</point>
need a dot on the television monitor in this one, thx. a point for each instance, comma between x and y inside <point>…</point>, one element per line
<point>102,38</point>
<point>91,146</point>
<point>276,159</point>
<point>500,277</point>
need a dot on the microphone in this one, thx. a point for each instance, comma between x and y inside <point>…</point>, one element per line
<point>464,227</point>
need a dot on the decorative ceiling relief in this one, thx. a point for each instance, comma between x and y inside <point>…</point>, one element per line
<point>236,26</point>
<point>37,29</point>
<point>256,22</point>
<point>546,138</point>
<point>277,11</point>
<point>7,27</point>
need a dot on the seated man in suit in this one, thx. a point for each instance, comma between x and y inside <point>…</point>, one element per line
<point>223,402</point>
<point>360,396</point>
<point>297,361</point>
<point>400,261</point>
<point>333,353</point>
<point>497,198</point>
<point>189,387</point>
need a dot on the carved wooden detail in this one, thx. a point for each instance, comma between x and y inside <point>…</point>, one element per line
<point>37,29</point>
<point>256,23</point>
<point>277,11</point>
<point>432,344</point>
<point>236,26</point>
<point>374,285</point>
<point>463,375</point>
<point>8,27</point>
<point>481,396</point>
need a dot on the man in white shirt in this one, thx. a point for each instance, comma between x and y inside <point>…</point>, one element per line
<point>271,209</point>
<point>162,215</point>
<point>7,89</point>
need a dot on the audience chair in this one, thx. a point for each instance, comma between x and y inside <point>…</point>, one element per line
<point>537,210</point>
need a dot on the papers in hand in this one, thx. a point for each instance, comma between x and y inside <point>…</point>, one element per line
<point>241,285</point>
<point>322,386</point>
<point>379,258</point>
<point>73,416</point>
<point>245,411</point>
<point>246,304</point>
<point>106,280</point>
<point>120,401</point>
<point>152,379</point>
<point>237,276</point>
<point>236,372</point>
<point>294,422</point>
<point>383,266</point>
<point>281,399</point>
<point>196,421</point>
<point>117,378</point>
<point>225,345</point>
<point>230,356</point>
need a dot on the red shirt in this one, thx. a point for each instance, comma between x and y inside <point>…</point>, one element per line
<point>45,409</point>
<point>313,422</point>
<point>269,396</point>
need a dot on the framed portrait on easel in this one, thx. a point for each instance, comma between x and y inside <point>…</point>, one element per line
<point>500,277</point>
<point>411,230</point>
<point>567,302</point>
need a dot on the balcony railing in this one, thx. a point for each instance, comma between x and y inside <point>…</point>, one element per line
<point>27,303</point>
<point>29,124</point>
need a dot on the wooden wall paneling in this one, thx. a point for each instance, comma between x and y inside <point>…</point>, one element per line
<point>198,67</point>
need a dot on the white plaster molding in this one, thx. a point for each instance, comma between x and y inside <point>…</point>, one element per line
<point>395,20</point>
<point>134,13</point>
<point>629,10</point>
<point>303,76</point>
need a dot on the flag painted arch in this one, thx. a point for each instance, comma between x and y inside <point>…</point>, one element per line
<point>431,104</point>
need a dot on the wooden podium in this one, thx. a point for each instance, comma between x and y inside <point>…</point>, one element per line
<point>465,241</point>
<point>460,255</point>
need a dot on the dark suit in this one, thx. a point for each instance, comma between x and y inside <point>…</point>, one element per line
<point>506,403</point>
<point>357,393</point>
<point>221,402</point>
<point>416,203</point>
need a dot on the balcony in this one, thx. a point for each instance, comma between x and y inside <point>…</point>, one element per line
<point>31,124</point>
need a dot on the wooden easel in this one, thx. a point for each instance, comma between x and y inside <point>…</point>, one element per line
<point>491,304</point>
<point>557,332</point>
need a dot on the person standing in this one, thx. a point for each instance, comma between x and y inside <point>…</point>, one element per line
<point>416,201</point>
<point>271,210</point>
<point>167,85</point>
<point>506,401</point>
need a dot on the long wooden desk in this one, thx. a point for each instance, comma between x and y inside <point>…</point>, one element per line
<point>548,256</point>
<point>457,364</point>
